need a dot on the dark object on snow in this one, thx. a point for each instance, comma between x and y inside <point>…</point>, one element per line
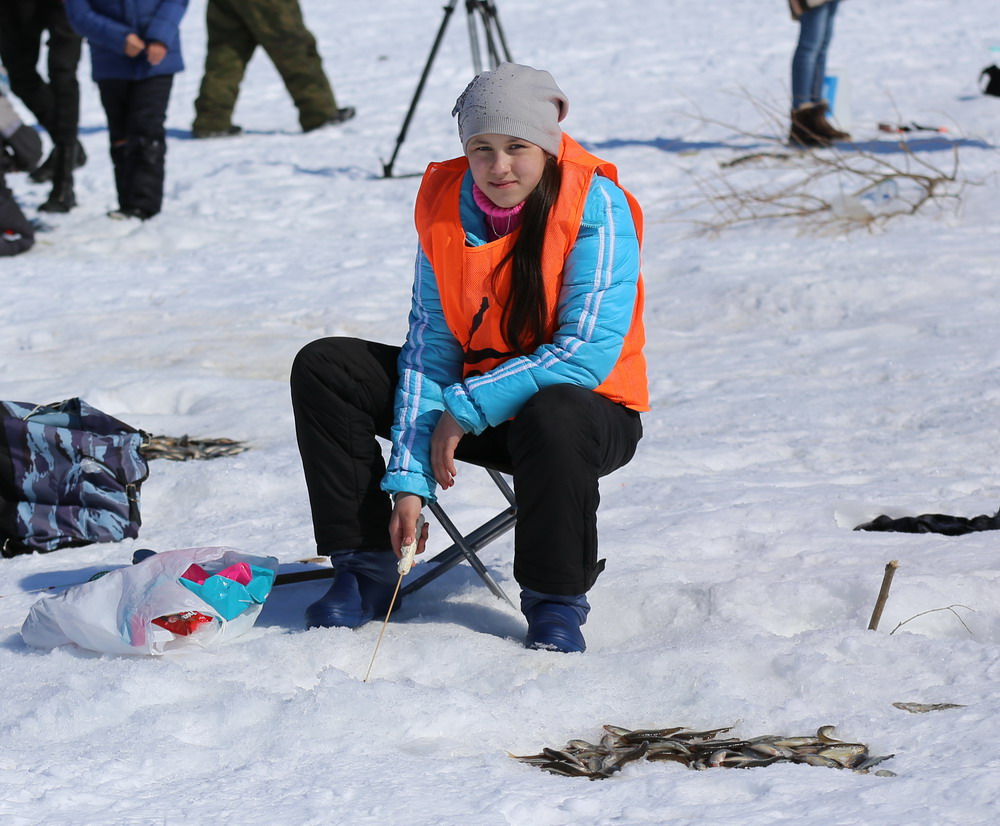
<point>69,475</point>
<point>700,750</point>
<point>933,523</point>
<point>20,149</point>
<point>182,449</point>
<point>992,85</point>
<point>912,126</point>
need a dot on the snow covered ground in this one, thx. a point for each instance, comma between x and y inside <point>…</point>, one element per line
<point>801,382</point>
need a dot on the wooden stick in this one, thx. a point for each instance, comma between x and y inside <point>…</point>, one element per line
<point>381,633</point>
<point>407,554</point>
<point>883,594</point>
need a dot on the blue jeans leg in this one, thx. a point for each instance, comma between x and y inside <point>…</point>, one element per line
<point>809,60</point>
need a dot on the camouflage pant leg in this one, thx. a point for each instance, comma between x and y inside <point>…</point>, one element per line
<point>279,28</point>
<point>231,44</point>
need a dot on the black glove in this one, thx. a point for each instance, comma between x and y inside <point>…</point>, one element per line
<point>992,85</point>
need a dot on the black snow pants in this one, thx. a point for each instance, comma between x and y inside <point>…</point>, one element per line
<point>136,112</point>
<point>564,439</point>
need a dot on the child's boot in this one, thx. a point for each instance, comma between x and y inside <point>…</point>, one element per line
<point>554,621</point>
<point>362,590</point>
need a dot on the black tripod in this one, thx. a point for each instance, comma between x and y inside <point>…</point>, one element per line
<point>477,12</point>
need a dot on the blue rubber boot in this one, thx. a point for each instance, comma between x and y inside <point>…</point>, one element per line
<point>554,621</point>
<point>361,591</point>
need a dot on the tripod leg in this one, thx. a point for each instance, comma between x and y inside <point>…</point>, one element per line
<point>387,167</point>
<point>471,7</point>
<point>491,22</point>
<point>499,30</point>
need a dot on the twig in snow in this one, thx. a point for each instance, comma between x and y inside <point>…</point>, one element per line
<point>883,594</point>
<point>951,608</point>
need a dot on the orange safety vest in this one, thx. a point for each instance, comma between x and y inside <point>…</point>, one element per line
<point>472,300</point>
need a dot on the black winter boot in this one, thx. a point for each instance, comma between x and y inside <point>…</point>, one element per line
<point>62,199</point>
<point>806,127</point>
<point>45,172</point>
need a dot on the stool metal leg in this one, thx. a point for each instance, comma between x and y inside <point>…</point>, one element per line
<point>501,483</point>
<point>465,548</point>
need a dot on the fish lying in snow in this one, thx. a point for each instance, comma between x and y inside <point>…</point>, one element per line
<point>699,750</point>
<point>923,708</point>
<point>183,449</point>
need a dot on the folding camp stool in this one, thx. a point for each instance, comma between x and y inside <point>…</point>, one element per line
<point>466,547</point>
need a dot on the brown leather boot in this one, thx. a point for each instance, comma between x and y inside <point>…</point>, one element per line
<point>806,129</point>
<point>825,127</point>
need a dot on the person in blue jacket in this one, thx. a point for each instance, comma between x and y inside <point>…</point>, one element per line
<point>135,51</point>
<point>524,353</point>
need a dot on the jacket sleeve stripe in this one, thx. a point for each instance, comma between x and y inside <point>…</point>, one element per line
<point>603,270</point>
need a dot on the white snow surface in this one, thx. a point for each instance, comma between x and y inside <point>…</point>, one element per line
<point>801,383</point>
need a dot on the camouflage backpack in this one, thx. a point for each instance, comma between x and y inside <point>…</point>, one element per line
<point>69,475</point>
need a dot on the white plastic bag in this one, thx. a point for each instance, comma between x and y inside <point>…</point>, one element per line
<point>115,614</point>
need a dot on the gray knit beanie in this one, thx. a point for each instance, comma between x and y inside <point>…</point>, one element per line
<point>513,100</point>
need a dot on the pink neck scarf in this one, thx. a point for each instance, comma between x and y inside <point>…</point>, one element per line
<point>500,221</point>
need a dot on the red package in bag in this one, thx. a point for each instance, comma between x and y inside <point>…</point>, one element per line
<point>184,623</point>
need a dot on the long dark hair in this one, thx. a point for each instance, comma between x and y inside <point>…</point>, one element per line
<point>525,313</point>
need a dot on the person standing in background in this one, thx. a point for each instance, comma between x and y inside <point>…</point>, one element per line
<point>235,29</point>
<point>809,124</point>
<point>135,51</point>
<point>56,102</point>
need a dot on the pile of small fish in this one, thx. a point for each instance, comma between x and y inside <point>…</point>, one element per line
<point>182,449</point>
<point>700,750</point>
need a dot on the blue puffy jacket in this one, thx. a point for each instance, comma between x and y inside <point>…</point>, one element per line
<point>431,361</point>
<point>106,24</point>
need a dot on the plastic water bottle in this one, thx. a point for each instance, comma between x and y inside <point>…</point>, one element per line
<point>882,193</point>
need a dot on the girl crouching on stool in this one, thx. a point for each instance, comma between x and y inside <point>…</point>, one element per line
<point>524,353</point>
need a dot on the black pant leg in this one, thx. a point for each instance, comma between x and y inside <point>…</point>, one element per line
<point>147,108</point>
<point>115,98</point>
<point>64,47</point>
<point>561,443</point>
<point>20,45</point>
<point>343,390</point>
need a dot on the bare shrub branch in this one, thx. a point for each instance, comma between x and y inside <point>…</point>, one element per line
<point>834,189</point>
<point>951,608</point>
